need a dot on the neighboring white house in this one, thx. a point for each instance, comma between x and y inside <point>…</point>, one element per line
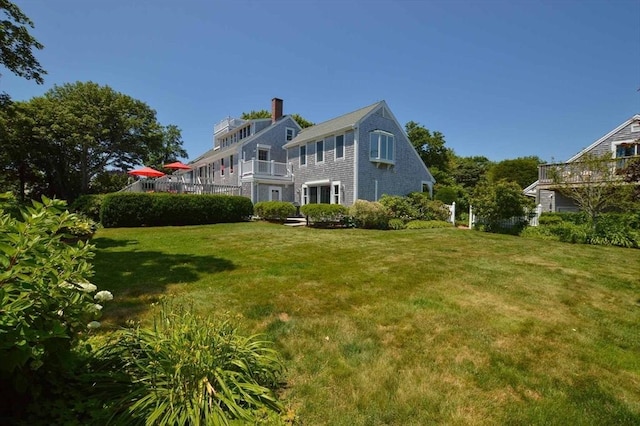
<point>622,143</point>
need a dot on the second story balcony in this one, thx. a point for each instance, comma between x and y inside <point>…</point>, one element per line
<point>580,173</point>
<point>266,170</point>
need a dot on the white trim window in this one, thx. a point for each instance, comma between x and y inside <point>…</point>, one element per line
<point>305,195</point>
<point>231,164</point>
<point>264,153</point>
<point>622,149</point>
<point>303,155</point>
<point>320,151</point>
<point>275,193</point>
<point>222,167</point>
<point>382,147</point>
<point>289,133</point>
<point>339,150</point>
<point>336,193</point>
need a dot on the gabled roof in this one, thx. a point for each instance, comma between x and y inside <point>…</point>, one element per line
<point>602,139</point>
<point>334,125</point>
<point>530,191</point>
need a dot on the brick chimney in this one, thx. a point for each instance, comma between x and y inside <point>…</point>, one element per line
<point>276,109</point>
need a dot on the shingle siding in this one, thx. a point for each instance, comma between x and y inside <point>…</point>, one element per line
<point>330,169</point>
<point>606,146</point>
<point>404,177</point>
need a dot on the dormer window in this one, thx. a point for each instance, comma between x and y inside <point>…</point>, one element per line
<point>382,147</point>
<point>289,133</point>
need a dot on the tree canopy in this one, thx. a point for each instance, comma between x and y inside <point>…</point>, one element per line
<point>591,182</point>
<point>65,138</point>
<point>521,170</point>
<point>263,113</point>
<point>17,45</point>
<point>430,146</point>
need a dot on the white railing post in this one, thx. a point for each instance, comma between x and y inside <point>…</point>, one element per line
<point>471,218</point>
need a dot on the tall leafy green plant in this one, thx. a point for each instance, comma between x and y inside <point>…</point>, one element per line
<point>190,369</point>
<point>46,300</point>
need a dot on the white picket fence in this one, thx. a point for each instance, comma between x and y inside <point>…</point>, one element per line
<point>532,217</point>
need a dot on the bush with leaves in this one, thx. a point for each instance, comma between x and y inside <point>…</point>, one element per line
<point>190,369</point>
<point>89,205</point>
<point>396,224</point>
<point>428,224</point>
<point>429,209</point>
<point>275,211</point>
<point>369,214</point>
<point>400,207</point>
<point>324,215</point>
<point>46,299</point>
<point>494,203</point>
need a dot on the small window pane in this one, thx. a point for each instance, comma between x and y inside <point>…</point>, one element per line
<point>303,155</point>
<point>383,146</point>
<point>374,145</point>
<point>319,151</point>
<point>339,146</point>
<point>390,147</point>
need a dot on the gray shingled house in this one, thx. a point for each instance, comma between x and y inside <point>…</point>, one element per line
<point>621,143</point>
<point>360,155</point>
<point>249,154</point>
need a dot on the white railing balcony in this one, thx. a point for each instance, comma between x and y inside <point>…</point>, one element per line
<point>262,168</point>
<point>227,125</point>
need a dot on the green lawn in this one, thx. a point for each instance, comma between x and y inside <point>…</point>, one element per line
<point>406,327</point>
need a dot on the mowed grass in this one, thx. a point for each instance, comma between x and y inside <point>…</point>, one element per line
<point>406,327</point>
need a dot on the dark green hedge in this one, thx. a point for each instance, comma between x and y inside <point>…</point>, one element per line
<point>131,210</point>
<point>324,214</point>
<point>277,211</point>
<point>89,205</point>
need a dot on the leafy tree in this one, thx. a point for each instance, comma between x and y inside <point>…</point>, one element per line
<point>255,115</point>
<point>17,45</point>
<point>522,170</point>
<point>263,113</point>
<point>430,146</point>
<point>18,160</point>
<point>75,131</point>
<point>631,174</point>
<point>468,171</point>
<point>302,122</point>
<point>170,149</point>
<point>592,182</point>
<point>495,202</point>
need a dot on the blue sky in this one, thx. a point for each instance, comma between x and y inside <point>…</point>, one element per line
<point>501,79</point>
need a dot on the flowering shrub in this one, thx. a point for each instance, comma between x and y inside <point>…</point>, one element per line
<point>45,298</point>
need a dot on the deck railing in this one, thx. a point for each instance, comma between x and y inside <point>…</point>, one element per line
<point>265,168</point>
<point>152,185</point>
<point>579,173</point>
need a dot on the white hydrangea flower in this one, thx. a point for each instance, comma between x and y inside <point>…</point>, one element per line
<point>93,325</point>
<point>97,307</point>
<point>103,296</point>
<point>87,287</point>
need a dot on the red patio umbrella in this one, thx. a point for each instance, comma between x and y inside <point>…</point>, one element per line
<point>146,171</point>
<point>177,166</point>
